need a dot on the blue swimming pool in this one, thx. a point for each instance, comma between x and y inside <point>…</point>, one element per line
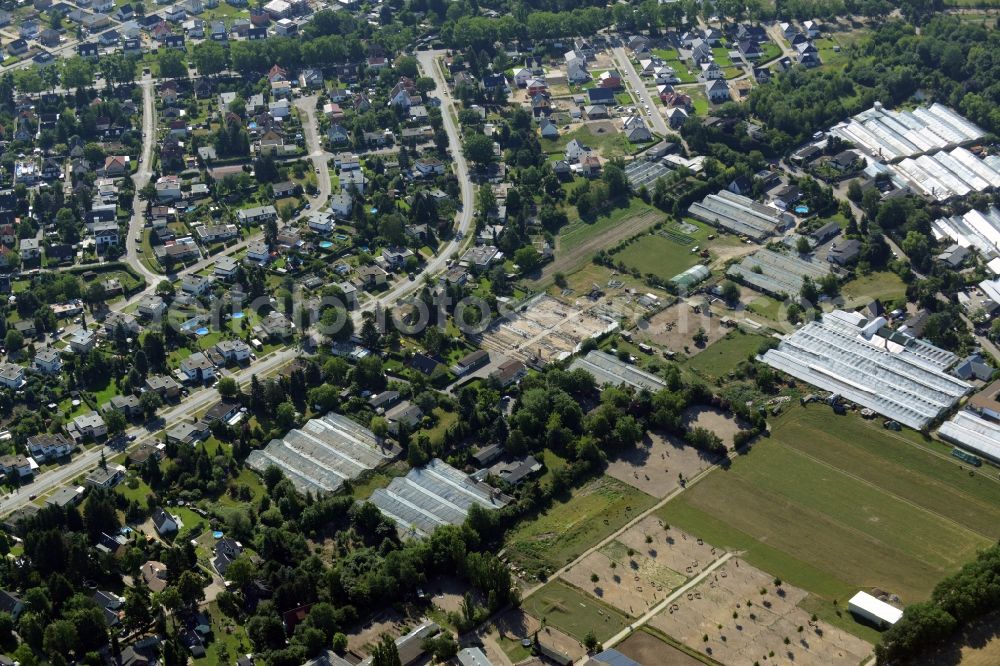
<point>202,331</point>
<point>802,210</point>
<point>325,244</point>
<point>238,315</point>
<point>217,534</point>
<point>341,237</point>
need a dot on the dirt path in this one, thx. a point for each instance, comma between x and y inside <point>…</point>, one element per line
<point>567,262</point>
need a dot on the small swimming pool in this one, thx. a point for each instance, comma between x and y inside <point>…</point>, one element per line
<point>802,210</point>
<point>325,244</point>
<point>202,331</point>
<point>341,237</point>
<point>217,534</point>
<point>238,315</point>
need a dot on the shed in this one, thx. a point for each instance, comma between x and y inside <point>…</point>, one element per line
<point>874,610</point>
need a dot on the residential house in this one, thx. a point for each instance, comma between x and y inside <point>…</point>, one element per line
<point>151,306</point>
<point>257,215</point>
<point>226,268</point>
<point>87,426</point>
<point>11,375</point>
<point>47,361</point>
<point>226,552</point>
<point>548,129</point>
<point>710,71</point>
<point>509,372</point>
<point>197,368</point>
<point>45,447</point>
<point>635,130</point>
<point>163,385</point>
<point>82,341</point>
<point>168,188</point>
<point>126,404</point>
<point>601,96</point>
<point>165,524</point>
<point>105,235</point>
<point>234,351</point>
<point>717,91</point>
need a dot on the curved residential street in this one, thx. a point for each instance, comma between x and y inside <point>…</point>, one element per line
<point>201,399</point>
<point>141,179</point>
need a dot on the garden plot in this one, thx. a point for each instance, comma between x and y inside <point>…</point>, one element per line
<point>633,575</point>
<point>764,624</point>
<point>544,329</point>
<point>656,464</point>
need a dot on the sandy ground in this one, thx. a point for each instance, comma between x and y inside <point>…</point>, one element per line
<point>674,327</point>
<point>517,624</point>
<point>447,593</point>
<point>745,639</point>
<point>637,582</point>
<point>386,622</point>
<point>647,649</point>
<point>654,465</point>
<point>722,424</point>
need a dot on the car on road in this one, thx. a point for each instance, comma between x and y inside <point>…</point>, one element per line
<point>32,497</point>
<point>308,206</point>
<point>131,438</point>
<point>317,169</point>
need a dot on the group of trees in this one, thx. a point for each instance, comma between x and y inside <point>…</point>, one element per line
<point>956,602</point>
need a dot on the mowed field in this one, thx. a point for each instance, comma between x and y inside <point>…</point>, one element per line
<point>836,504</point>
<point>568,528</point>
<point>721,357</point>
<point>572,611</point>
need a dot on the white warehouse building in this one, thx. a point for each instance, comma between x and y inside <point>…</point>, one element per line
<point>874,610</point>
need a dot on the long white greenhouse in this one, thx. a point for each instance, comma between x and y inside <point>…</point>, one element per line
<point>896,375</point>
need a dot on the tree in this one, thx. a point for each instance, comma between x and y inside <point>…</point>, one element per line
<point>77,73</point>
<point>478,148</point>
<point>209,57</point>
<point>190,588</point>
<point>150,401</point>
<point>285,415</point>
<point>730,292</point>
<point>527,258</point>
<point>13,341</point>
<point>802,245</point>
<point>590,641</point>
<point>385,652</point>
<point>227,387</point>
<point>172,65</point>
<point>115,420</point>
<point>60,639</point>
<point>165,288</point>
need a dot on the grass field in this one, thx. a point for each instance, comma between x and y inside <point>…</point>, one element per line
<point>580,231</point>
<point>765,306</point>
<point>724,355</point>
<point>837,504</point>
<point>610,144</point>
<point>569,610</point>
<point>884,285</point>
<point>568,528</point>
<point>661,256</point>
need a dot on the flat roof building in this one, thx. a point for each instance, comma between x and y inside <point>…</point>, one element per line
<point>894,374</point>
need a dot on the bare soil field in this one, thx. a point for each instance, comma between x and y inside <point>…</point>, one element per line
<point>674,327</point>
<point>975,645</point>
<point>654,464</point>
<point>763,623</point>
<point>648,649</point>
<point>635,581</point>
<point>724,425</point>
<point>446,593</point>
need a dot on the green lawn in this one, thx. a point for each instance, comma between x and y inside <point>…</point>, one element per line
<point>444,419</point>
<point>579,231</point>
<point>610,143</point>
<point>569,527</point>
<point>723,355</point>
<point>885,285</point>
<point>721,56</point>
<point>229,640</point>
<point>573,612</point>
<point>770,51</point>
<point>765,306</point>
<point>663,256</point>
<point>836,504</point>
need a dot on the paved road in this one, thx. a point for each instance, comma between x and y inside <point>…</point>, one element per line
<point>639,88</point>
<point>141,179</point>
